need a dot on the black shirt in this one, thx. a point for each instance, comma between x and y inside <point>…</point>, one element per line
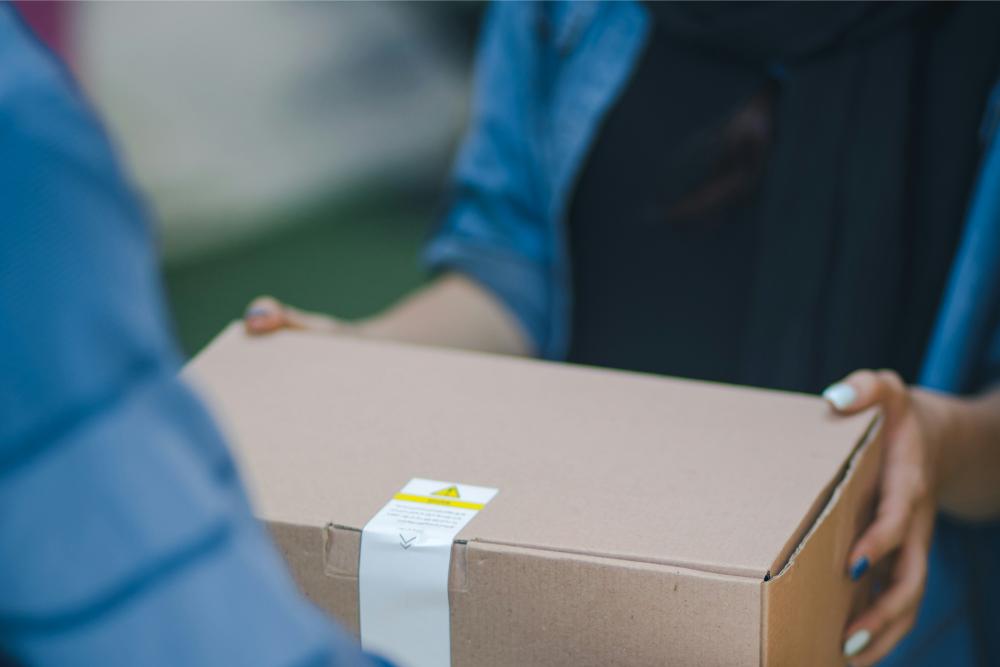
<point>661,278</point>
<point>665,226</point>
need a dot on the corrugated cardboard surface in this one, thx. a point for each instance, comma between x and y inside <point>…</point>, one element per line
<point>637,516</point>
<point>514,606</point>
<point>587,461</point>
<point>807,604</point>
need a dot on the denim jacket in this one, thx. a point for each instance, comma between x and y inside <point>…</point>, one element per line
<point>546,75</point>
<point>125,534</point>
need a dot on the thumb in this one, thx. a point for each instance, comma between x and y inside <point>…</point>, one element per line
<point>863,389</point>
<point>265,314</point>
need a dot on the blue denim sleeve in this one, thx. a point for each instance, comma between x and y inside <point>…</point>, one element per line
<point>125,536</point>
<point>496,229</point>
<point>964,351</point>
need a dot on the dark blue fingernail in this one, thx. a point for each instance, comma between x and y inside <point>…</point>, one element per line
<point>256,312</point>
<point>859,567</point>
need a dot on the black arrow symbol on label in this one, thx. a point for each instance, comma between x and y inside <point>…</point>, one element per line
<point>406,543</point>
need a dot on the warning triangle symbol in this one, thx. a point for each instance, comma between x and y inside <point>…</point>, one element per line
<point>451,492</point>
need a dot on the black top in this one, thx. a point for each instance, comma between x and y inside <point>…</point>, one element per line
<point>688,256</point>
<point>657,288</point>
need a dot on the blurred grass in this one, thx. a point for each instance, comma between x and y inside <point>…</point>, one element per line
<point>346,259</point>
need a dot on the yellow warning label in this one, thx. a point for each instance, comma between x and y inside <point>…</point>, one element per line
<point>439,501</point>
<point>450,491</point>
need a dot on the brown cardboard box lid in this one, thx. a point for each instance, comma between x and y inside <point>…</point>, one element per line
<point>586,460</point>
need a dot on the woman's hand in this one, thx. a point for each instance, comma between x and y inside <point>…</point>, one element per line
<point>451,311</point>
<point>266,314</point>
<point>914,429</point>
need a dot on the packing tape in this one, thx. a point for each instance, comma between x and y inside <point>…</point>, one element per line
<point>403,573</point>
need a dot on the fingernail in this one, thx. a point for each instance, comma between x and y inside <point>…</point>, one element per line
<point>856,643</point>
<point>840,395</point>
<point>858,568</point>
<point>256,311</point>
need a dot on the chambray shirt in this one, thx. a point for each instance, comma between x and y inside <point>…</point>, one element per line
<point>125,536</point>
<point>546,75</point>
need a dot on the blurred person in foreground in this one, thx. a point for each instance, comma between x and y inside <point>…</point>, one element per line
<point>762,194</point>
<point>125,535</point>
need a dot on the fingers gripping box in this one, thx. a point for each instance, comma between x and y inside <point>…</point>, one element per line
<point>621,518</point>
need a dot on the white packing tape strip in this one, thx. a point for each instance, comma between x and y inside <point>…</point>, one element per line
<point>403,573</point>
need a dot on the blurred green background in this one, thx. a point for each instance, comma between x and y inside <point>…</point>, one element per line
<point>348,259</point>
<point>293,149</point>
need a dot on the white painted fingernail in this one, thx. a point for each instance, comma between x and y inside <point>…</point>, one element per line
<point>856,643</point>
<point>840,395</point>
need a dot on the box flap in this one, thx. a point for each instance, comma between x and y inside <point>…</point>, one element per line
<point>587,460</point>
<point>796,630</point>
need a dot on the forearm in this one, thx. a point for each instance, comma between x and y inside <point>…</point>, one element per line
<point>453,311</point>
<point>969,463</point>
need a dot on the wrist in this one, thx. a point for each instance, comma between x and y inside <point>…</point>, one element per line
<point>966,436</point>
<point>944,421</point>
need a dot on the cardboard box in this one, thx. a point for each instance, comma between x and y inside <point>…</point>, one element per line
<point>639,521</point>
